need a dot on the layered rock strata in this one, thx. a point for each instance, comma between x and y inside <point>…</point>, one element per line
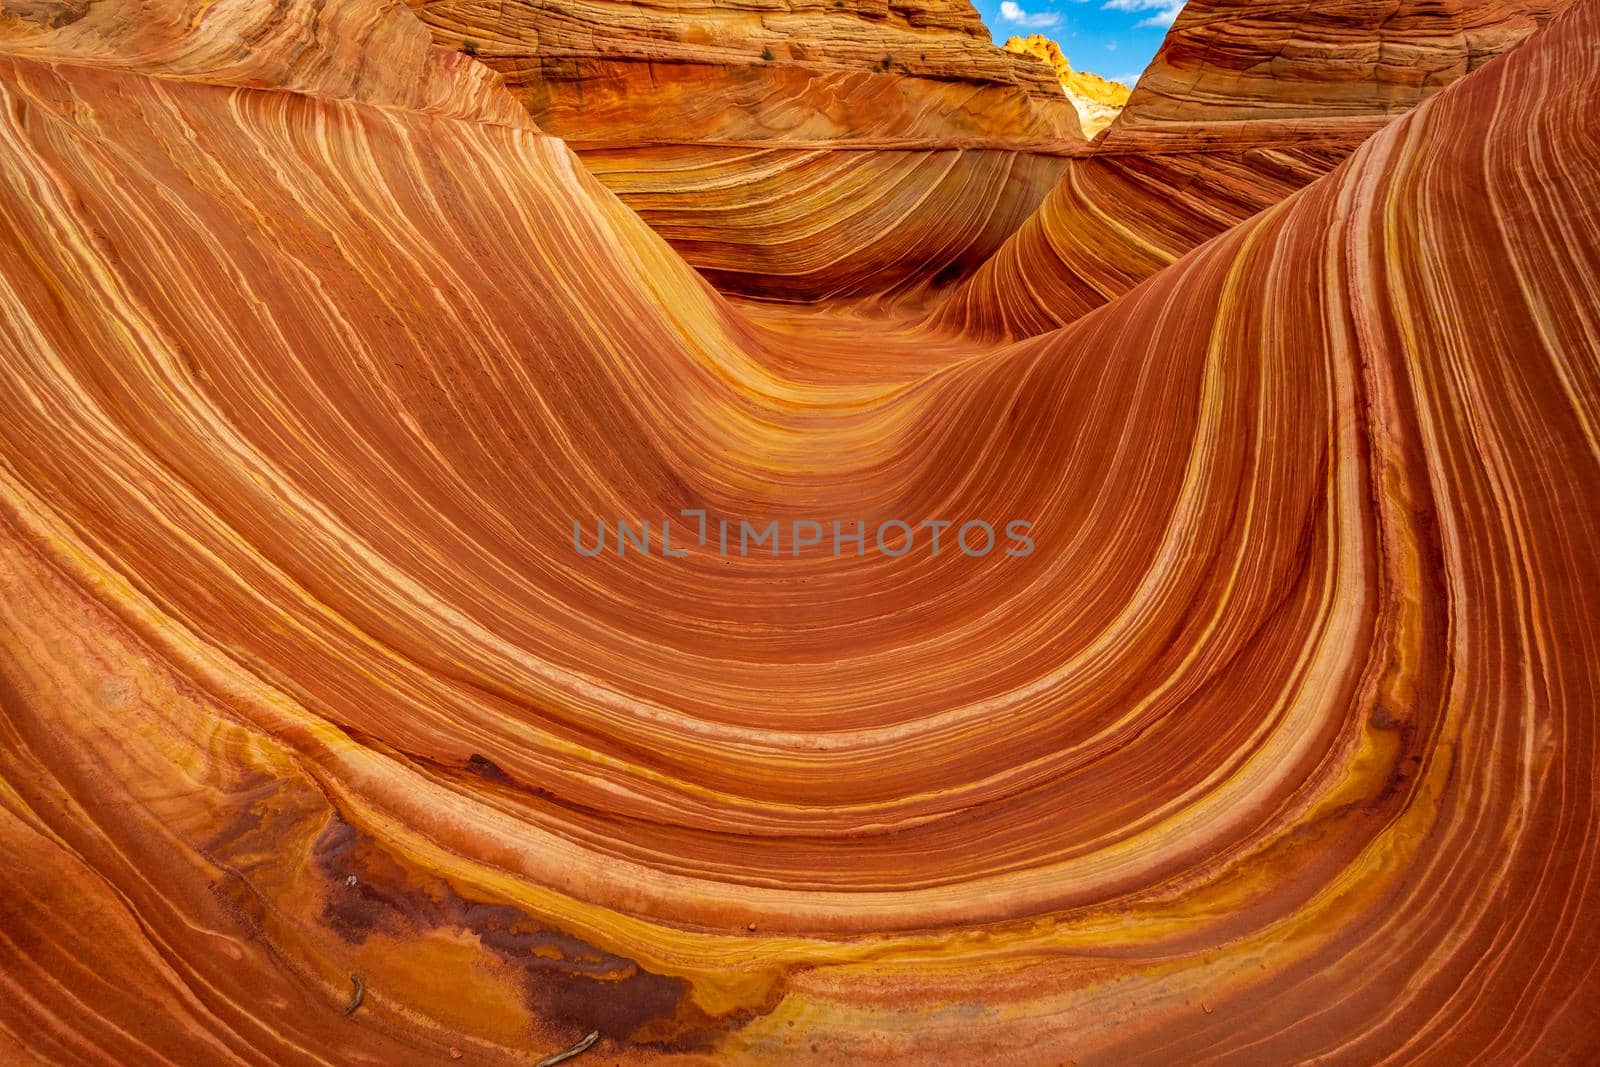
<point>1243,103</point>
<point>321,744</point>
<point>729,127</point>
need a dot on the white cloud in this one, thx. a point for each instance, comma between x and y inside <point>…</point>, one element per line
<point>1012,12</point>
<point>1164,11</point>
<point>1111,47</point>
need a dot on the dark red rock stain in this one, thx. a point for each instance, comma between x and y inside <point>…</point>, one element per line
<point>567,981</point>
<point>486,768</point>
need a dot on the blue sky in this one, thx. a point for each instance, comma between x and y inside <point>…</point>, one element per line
<point>1112,38</point>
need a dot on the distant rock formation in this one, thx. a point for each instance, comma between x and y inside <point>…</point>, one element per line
<point>1244,103</point>
<point>921,72</point>
<point>790,150</point>
<point>1097,100</point>
<point>1340,65</point>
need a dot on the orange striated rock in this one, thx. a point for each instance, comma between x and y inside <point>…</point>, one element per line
<point>919,72</point>
<point>1286,67</point>
<point>1280,745</point>
<point>1097,100</point>
<point>1244,103</point>
<point>365,52</point>
<point>740,131</point>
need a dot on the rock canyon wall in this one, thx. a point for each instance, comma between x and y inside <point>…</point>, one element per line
<point>778,145</point>
<point>1244,103</point>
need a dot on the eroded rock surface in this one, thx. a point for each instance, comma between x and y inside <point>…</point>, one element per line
<point>1280,746</point>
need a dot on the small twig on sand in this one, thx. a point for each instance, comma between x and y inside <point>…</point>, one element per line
<point>361,991</point>
<point>551,1061</point>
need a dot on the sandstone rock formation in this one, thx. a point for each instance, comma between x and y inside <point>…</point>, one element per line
<point>789,150</point>
<point>1097,100</point>
<point>919,72</point>
<point>1244,102</point>
<point>1326,66</point>
<point>320,744</point>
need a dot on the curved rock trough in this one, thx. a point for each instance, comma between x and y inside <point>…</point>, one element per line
<point>322,742</point>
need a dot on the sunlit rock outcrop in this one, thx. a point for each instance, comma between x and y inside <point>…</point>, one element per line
<point>321,742</point>
<point>1097,100</point>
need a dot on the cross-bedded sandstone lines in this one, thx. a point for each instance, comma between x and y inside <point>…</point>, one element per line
<point>1280,745</point>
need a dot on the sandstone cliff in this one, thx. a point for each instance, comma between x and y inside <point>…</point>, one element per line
<point>1330,66</point>
<point>1244,103</point>
<point>792,150</point>
<point>1097,100</point>
<point>922,72</point>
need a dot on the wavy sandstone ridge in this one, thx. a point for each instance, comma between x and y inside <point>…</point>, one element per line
<point>1244,103</point>
<point>794,151</point>
<point>657,71</point>
<point>1281,745</point>
<point>1096,100</point>
<point>1288,66</point>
